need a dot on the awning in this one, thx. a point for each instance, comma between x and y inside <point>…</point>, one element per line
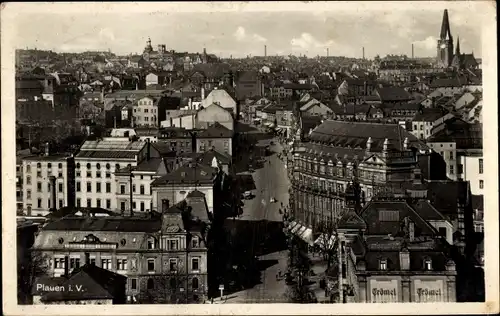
<point>296,228</point>
<point>324,243</point>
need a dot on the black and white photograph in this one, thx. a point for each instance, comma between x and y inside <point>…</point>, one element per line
<point>291,156</point>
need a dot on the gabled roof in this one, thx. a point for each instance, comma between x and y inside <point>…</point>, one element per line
<point>391,94</point>
<point>428,115</point>
<point>351,220</point>
<point>216,130</point>
<point>207,157</point>
<point>187,174</point>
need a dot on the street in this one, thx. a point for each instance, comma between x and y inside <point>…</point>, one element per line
<point>271,181</point>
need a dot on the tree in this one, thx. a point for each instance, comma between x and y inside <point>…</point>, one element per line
<point>30,267</point>
<point>165,289</point>
<point>327,242</point>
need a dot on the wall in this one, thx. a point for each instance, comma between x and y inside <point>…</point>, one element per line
<point>471,172</point>
<point>177,193</point>
<point>449,153</point>
<point>145,113</point>
<point>222,145</point>
<point>214,113</point>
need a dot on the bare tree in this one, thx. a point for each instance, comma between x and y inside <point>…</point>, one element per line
<point>327,242</point>
<point>165,289</point>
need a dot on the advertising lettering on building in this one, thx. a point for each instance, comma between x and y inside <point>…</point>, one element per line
<point>429,291</point>
<point>384,291</point>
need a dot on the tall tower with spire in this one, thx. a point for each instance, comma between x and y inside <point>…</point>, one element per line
<point>445,43</point>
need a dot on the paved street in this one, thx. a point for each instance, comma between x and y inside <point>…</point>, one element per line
<point>271,181</point>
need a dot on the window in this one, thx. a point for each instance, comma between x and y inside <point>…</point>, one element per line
<point>133,205</point>
<point>151,264</point>
<point>98,166</point>
<point>442,231</point>
<point>108,175</point>
<point>49,165</point>
<point>89,174</point>
<point>39,186</point>
<point>106,264</point>
<point>121,264</point>
<point>78,166</point>
<point>142,207</point>
<point>89,203</point>
<point>452,169</point>
<point>28,180</point>
<point>48,203</point>
<point>195,283</point>
<point>39,165</point>
<point>48,187</point>
<point>460,169</point>
<point>98,201</point>
<point>481,166</point>
<point>59,263</point>
<point>382,264</point>
<point>74,263</point>
<point>388,216</point>
<point>172,244</point>
<point>28,194</point>
<point>481,184</point>
<point>97,174</point>
<point>78,186</point>
<point>28,168</point>
<point>92,261</point>
<point>122,206</point>
<point>78,174</point>
<point>39,203</point>
<point>108,187</point>
<point>117,166</point>
<point>151,243</point>
<point>142,189</point>
<point>98,187</point>
<point>195,242</point>
<point>60,203</point>
<point>60,187</point>
<point>122,189</point>
<point>133,188</point>
<point>195,264</point>
<point>173,264</point>
<point>108,203</point>
<point>428,264</point>
<point>38,174</point>
<point>89,186</point>
<point>89,166</point>
<point>451,155</point>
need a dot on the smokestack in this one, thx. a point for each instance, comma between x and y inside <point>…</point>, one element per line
<point>53,192</point>
<point>66,265</point>
<point>265,50</point>
<point>363,52</point>
<point>327,52</point>
<point>148,149</point>
<point>412,52</point>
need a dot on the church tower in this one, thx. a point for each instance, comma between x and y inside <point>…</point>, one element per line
<point>445,44</point>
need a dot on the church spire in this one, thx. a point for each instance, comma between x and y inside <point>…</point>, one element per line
<point>445,26</point>
<point>457,52</point>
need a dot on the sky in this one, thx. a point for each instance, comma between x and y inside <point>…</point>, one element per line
<point>239,30</point>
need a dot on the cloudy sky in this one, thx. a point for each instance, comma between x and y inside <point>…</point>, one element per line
<point>240,30</point>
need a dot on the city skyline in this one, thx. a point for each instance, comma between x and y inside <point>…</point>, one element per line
<point>344,32</point>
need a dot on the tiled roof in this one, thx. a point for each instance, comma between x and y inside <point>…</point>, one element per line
<point>150,165</point>
<point>444,195</point>
<point>98,283</point>
<point>56,157</point>
<point>445,83</point>
<point>216,130</point>
<point>187,174</point>
<point>107,223</point>
<point>428,212</point>
<point>343,133</point>
<point>371,215</point>
<point>105,154</point>
<point>393,94</point>
<point>207,157</point>
<point>428,115</point>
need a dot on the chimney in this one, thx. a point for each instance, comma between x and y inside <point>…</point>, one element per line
<point>202,93</point>
<point>148,149</point>
<point>66,265</point>
<point>265,50</point>
<point>53,191</point>
<point>327,52</point>
<point>47,149</point>
<point>363,52</point>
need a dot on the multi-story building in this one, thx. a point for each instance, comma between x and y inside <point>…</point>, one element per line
<point>145,112</point>
<point>134,185</point>
<point>377,155</point>
<point>426,120</point>
<point>214,113</point>
<point>48,183</point>
<point>391,253</point>
<point>471,168</point>
<point>163,256</point>
<point>176,185</point>
<point>96,164</point>
<point>178,139</point>
<point>215,137</point>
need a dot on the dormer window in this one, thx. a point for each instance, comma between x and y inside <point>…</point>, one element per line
<point>151,243</point>
<point>382,264</point>
<point>428,264</point>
